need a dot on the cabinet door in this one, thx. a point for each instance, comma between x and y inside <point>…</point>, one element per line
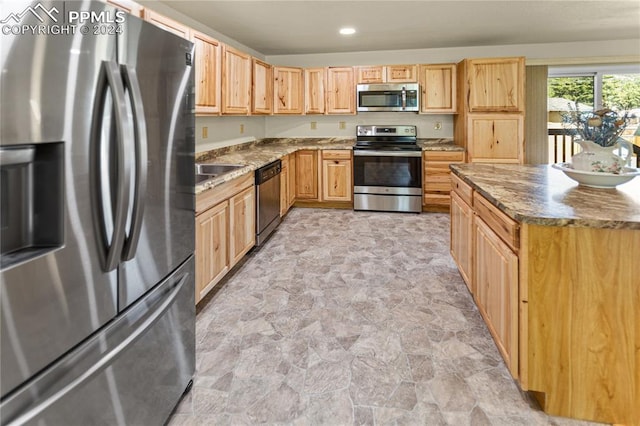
<point>236,81</point>
<point>438,85</point>
<point>242,224</point>
<point>208,73</point>
<point>284,186</point>
<point>461,238</point>
<point>496,286</point>
<point>262,87</point>
<point>370,74</point>
<point>401,73</point>
<point>340,91</point>
<point>315,81</point>
<point>288,90</point>
<point>496,84</point>
<point>336,180</point>
<point>212,256</point>
<point>307,175</point>
<point>167,24</point>
<point>128,6</point>
<point>497,138</point>
<point>292,179</point>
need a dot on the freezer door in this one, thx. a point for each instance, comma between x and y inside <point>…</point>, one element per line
<point>163,235</point>
<point>132,372</point>
<point>54,292</point>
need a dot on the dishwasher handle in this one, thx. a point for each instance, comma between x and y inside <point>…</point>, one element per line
<point>269,171</point>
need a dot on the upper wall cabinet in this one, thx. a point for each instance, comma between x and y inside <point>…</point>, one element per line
<point>495,84</point>
<point>386,74</point>
<point>236,81</point>
<point>128,6</point>
<point>262,88</point>
<point>288,90</point>
<point>315,83</point>
<point>438,85</point>
<point>208,74</point>
<point>341,97</point>
<point>167,24</point>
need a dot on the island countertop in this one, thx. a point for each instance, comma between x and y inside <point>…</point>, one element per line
<point>541,195</point>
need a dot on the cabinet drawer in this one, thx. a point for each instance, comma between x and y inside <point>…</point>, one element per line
<point>450,156</point>
<point>437,199</point>
<point>462,189</point>
<point>336,154</point>
<point>215,195</point>
<point>505,227</point>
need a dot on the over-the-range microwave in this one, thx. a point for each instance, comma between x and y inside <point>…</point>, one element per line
<point>388,97</point>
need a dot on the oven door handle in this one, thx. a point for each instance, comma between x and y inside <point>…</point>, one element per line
<point>368,153</point>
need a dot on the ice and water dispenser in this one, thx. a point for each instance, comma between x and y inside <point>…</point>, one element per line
<point>31,201</point>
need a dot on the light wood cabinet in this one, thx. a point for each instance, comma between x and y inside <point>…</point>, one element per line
<point>386,74</point>
<point>242,224</point>
<point>292,179</point>
<point>315,82</point>
<point>436,178</point>
<point>369,74</point>
<point>496,290</point>
<point>236,81</point>
<point>337,173</point>
<point>401,73</point>
<point>284,186</point>
<point>261,87</point>
<point>207,73</point>
<point>166,24</point>
<point>496,138</point>
<point>307,175</point>
<point>461,238</point>
<point>340,91</point>
<point>438,86</point>
<point>495,84</point>
<point>225,230</point>
<point>128,6</point>
<point>212,256</point>
<point>288,90</point>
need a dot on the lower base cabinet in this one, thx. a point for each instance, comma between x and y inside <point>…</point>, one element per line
<point>436,178</point>
<point>225,230</point>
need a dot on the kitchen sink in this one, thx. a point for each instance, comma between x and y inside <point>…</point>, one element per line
<point>206,171</point>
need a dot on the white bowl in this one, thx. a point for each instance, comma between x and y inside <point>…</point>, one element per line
<point>597,179</point>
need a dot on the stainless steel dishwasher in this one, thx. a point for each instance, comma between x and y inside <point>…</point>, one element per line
<point>268,200</point>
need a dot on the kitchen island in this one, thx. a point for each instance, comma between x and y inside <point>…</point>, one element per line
<point>553,268</point>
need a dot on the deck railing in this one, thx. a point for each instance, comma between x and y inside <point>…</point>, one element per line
<point>561,145</point>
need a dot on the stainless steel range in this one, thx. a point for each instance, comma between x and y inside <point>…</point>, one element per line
<point>387,169</point>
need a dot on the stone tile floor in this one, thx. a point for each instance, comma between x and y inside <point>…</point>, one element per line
<point>350,318</point>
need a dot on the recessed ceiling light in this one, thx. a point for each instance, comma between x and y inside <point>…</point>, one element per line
<point>347,31</point>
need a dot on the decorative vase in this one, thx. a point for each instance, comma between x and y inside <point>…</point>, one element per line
<point>596,158</point>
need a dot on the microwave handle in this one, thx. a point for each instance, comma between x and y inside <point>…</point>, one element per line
<point>404,98</point>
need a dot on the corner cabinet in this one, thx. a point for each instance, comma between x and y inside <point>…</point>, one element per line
<point>438,86</point>
<point>261,87</point>
<point>236,81</point>
<point>208,73</point>
<point>288,89</point>
<point>340,91</point>
<point>225,230</point>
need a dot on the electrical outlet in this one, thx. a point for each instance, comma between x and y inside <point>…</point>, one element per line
<point>342,125</point>
<point>438,125</point>
<point>205,132</point>
<point>241,128</point>
<point>314,125</point>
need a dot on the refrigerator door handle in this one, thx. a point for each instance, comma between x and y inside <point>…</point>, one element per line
<point>109,80</point>
<point>132,84</point>
<point>84,364</point>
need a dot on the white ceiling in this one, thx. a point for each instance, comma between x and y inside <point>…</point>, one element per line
<point>299,27</point>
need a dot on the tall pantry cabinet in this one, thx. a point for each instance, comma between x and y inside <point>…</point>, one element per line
<point>490,120</point>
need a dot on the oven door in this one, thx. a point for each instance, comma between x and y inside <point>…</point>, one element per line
<point>374,170</point>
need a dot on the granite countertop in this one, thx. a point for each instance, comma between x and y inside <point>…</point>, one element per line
<point>542,195</point>
<point>259,153</point>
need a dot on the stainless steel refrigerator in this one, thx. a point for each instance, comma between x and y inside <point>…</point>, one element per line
<point>97,217</point>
